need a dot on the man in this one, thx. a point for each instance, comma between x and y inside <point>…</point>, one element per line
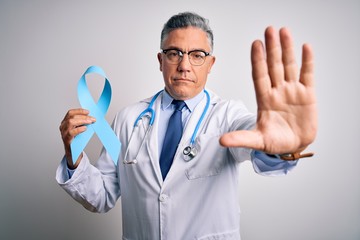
<point>197,197</point>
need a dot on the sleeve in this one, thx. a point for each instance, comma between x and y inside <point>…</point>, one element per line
<point>94,187</point>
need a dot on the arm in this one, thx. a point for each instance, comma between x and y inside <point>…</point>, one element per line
<point>95,187</point>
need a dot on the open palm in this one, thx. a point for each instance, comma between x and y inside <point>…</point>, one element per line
<point>287,115</point>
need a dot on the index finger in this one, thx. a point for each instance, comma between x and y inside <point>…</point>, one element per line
<point>77,111</point>
<point>81,111</point>
<point>260,74</point>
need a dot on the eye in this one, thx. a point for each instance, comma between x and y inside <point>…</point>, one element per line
<point>172,53</point>
<point>197,55</point>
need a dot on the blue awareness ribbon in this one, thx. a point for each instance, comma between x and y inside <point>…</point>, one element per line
<point>98,110</point>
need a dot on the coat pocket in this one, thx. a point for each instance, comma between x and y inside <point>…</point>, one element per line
<point>231,235</point>
<point>210,158</point>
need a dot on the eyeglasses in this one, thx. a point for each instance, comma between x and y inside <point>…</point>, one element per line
<point>196,57</point>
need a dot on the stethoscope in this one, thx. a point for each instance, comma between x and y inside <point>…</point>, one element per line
<point>189,152</point>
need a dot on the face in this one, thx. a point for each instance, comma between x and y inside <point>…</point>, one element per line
<point>183,80</point>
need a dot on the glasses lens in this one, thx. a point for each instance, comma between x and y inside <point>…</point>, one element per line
<point>173,56</point>
<point>197,57</point>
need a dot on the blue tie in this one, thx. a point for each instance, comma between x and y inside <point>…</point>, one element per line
<point>172,138</point>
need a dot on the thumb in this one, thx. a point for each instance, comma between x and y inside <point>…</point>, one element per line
<point>244,138</point>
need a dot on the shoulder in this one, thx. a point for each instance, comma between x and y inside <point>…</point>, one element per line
<point>133,110</point>
<point>232,112</point>
<point>227,105</point>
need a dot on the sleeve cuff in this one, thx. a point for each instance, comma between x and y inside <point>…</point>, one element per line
<point>270,165</point>
<point>70,171</point>
<point>65,174</point>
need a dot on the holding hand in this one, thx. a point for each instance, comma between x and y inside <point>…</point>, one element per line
<point>73,124</point>
<point>286,115</point>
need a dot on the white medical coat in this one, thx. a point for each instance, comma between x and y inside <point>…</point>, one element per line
<point>197,200</point>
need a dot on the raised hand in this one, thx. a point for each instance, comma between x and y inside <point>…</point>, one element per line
<point>287,114</point>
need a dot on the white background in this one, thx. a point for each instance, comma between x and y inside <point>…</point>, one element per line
<point>45,46</point>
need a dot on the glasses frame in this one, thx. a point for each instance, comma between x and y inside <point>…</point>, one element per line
<point>181,55</point>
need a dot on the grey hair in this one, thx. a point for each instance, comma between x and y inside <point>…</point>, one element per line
<point>187,19</point>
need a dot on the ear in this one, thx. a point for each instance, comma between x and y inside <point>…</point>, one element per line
<point>160,60</point>
<point>211,63</point>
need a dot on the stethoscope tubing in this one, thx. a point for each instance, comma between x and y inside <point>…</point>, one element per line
<point>150,113</point>
<point>193,137</point>
<point>149,110</point>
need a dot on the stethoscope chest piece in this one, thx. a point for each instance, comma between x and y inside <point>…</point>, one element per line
<point>189,153</point>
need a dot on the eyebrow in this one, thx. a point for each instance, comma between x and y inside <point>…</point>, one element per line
<point>179,49</point>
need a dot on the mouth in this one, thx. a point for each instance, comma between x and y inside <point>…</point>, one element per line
<point>181,79</point>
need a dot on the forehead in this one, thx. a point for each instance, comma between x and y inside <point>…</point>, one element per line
<point>187,39</point>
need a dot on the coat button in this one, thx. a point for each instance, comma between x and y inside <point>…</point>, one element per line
<point>163,197</point>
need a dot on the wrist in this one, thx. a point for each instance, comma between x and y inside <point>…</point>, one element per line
<point>295,156</point>
<point>70,163</point>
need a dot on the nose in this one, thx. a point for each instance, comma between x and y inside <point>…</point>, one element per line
<point>184,64</point>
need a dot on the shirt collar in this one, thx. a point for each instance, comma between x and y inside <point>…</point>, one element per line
<point>190,103</point>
